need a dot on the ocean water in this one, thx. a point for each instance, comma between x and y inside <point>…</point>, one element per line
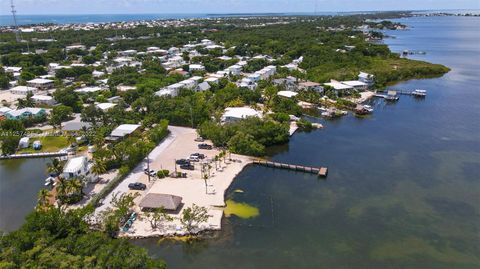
<point>403,189</point>
<point>6,20</point>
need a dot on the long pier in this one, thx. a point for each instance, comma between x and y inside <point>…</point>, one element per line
<point>33,155</point>
<point>320,171</point>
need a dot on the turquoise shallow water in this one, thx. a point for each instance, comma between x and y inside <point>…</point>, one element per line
<point>403,189</point>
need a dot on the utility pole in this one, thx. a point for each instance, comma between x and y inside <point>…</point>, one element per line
<point>17,31</point>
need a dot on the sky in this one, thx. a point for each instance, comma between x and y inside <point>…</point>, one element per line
<point>224,6</point>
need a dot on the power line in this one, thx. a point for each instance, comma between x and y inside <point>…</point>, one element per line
<point>17,31</point>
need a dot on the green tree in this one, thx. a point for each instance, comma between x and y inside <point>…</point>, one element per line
<point>157,216</point>
<point>193,216</point>
<point>60,114</point>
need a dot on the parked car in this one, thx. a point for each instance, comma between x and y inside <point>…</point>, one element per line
<point>194,158</point>
<point>182,161</point>
<point>205,146</point>
<point>199,155</point>
<point>199,139</point>
<point>146,171</point>
<point>187,167</point>
<point>137,186</point>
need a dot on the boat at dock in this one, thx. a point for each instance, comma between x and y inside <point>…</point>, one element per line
<point>363,109</point>
<point>419,93</point>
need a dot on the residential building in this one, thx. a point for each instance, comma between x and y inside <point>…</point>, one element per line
<point>41,83</point>
<point>23,90</point>
<point>233,114</point>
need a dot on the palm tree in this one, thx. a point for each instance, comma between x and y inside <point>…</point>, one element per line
<point>99,167</point>
<point>56,166</point>
<point>62,186</point>
<point>43,198</point>
<point>76,186</point>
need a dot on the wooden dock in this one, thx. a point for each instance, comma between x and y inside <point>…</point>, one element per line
<point>33,155</point>
<point>320,171</point>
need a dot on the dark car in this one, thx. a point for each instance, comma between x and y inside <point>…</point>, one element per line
<point>187,167</point>
<point>182,161</point>
<point>137,186</point>
<point>199,155</point>
<point>204,146</point>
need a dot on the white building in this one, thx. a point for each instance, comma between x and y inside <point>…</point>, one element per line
<point>233,114</point>
<point>105,106</point>
<point>43,100</point>
<point>123,130</point>
<point>40,83</point>
<point>23,90</point>
<point>196,67</point>
<point>287,94</point>
<point>88,89</point>
<point>78,167</point>
<point>356,84</point>
<point>369,79</point>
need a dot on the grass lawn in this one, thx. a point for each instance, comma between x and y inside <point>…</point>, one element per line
<point>49,144</point>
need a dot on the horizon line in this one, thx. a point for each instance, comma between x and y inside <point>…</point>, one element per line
<point>237,13</point>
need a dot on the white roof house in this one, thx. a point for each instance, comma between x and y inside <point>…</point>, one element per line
<point>40,83</point>
<point>4,110</point>
<point>43,99</point>
<point>338,86</point>
<point>196,67</point>
<point>105,106</point>
<point>203,86</point>
<point>124,130</point>
<point>287,94</point>
<point>23,90</point>
<point>76,167</point>
<point>12,69</point>
<point>233,114</point>
<point>355,84</point>
<point>88,89</point>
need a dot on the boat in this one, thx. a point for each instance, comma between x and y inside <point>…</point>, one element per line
<point>49,181</point>
<point>419,93</point>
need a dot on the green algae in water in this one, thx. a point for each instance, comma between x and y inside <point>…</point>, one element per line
<point>241,210</point>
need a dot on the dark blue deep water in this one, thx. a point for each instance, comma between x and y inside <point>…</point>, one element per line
<point>403,189</point>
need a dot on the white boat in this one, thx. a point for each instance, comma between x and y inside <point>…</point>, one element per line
<point>419,93</point>
<point>49,181</point>
<point>368,108</point>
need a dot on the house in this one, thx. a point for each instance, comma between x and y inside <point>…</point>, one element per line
<point>72,47</point>
<point>12,69</point>
<point>26,113</point>
<point>338,86</point>
<point>204,86</point>
<point>369,79</point>
<point>125,88</point>
<point>196,67</point>
<point>310,85</point>
<point>289,83</point>
<point>97,74</point>
<point>122,131</point>
<point>356,84</point>
<point>4,110</point>
<point>23,90</point>
<point>105,106</point>
<point>41,83</point>
<point>78,167</point>
<point>166,92</point>
<point>234,69</point>
<point>43,100</point>
<point>88,89</point>
<point>212,80</point>
<point>233,114</point>
<point>159,200</point>
<point>247,83</point>
<point>287,94</point>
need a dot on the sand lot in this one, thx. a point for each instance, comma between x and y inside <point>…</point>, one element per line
<point>193,189</point>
